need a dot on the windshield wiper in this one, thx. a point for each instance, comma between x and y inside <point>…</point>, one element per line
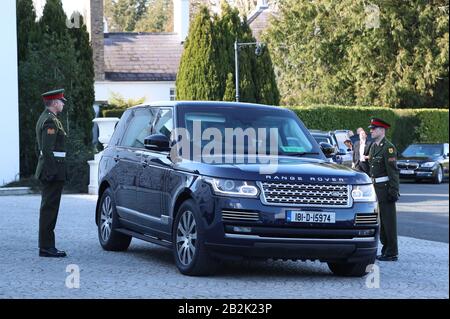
<point>299,153</point>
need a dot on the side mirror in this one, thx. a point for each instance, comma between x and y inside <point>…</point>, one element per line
<point>328,149</point>
<point>342,151</point>
<point>157,142</point>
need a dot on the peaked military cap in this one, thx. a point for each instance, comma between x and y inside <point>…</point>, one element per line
<point>376,122</point>
<point>54,95</point>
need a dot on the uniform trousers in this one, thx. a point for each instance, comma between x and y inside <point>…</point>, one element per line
<point>51,198</point>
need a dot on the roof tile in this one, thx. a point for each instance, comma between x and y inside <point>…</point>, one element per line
<point>142,56</point>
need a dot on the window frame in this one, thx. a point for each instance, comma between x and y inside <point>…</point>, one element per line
<point>157,117</point>
<point>129,120</point>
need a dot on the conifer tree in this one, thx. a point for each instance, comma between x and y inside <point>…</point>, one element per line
<point>54,19</point>
<point>197,77</point>
<point>157,18</point>
<point>247,57</point>
<point>61,68</point>
<point>265,82</point>
<point>84,96</point>
<point>26,26</point>
<point>256,76</point>
<point>266,89</point>
<point>230,89</point>
<point>356,52</point>
<point>57,61</point>
<point>26,34</point>
<point>124,15</point>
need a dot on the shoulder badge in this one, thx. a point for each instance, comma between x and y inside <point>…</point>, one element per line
<point>391,150</point>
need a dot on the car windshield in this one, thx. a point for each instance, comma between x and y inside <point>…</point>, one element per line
<point>423,150</point>
<point>241,132</point>
<point>341,137</point>
<point>320,139</point>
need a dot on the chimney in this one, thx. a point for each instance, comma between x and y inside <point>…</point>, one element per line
<point>181,18</point>
<point>94,20</point>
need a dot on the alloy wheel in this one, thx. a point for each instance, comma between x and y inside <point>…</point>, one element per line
<point>106,219</point>
<point>186,238</point>
<point>439,175</point>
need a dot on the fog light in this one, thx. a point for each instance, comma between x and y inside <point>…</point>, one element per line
<point>366,232</point>
<point>242,229</point>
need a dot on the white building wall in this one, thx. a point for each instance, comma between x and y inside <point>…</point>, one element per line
<point>9,121</point>
<point>152,91</point>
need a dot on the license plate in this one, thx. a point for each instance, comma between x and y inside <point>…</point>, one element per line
<point>406,171</point>
<point>293,216</point>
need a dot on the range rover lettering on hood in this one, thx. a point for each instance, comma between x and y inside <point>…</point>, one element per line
<point>303,179</point>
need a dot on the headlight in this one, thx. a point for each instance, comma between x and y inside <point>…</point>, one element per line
<point>229,187</point>
<point>364,193</point>
<point>428,164</point>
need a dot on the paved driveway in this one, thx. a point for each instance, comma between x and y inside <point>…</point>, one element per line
<point>423,211</point>
<point>148,271</point>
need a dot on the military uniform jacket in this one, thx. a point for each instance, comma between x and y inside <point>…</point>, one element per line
<point>50,137</point>
<point>383,162</point>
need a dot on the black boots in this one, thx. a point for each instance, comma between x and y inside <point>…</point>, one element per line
<point>51,252</point>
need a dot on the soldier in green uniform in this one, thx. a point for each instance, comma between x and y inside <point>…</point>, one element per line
<point>50,170</point>
<point>385,177</point>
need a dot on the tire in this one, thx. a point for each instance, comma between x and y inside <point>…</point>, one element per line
<point>188,238</point>
<point>438,176</point>
<point>351,269</point>
<point>108,222</point>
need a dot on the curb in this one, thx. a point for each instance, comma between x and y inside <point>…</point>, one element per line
<point>8,191</point>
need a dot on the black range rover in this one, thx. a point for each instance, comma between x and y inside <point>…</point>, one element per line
<point>288,204</point>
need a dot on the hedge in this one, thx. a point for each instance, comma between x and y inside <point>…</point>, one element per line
<point>407,125</point>
<point>433,125</point>
<point>112,112</point>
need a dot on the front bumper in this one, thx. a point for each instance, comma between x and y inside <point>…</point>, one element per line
<point>271,236</point>
<point>421,173</point>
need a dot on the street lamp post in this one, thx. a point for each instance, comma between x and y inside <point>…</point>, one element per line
<point>237,46</point>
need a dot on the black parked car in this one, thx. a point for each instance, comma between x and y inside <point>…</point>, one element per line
<point>206,210</point>
<point>427,161</point>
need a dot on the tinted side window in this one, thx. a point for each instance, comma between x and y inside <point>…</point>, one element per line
<point>164,125</point>
<point>120,127</point>
<point>139,127</point>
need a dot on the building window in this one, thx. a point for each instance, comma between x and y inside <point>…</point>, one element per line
<point>172,94</point>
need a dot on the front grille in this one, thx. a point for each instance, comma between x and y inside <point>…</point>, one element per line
<point>239,216</point>
<point>366,219</point>
<point>411,166</point>
<point>323,195</point>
